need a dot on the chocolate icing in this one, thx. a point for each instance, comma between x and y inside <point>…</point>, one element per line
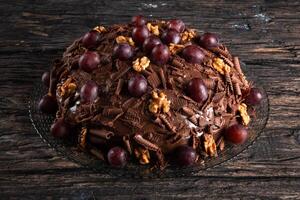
<point>116,116</point>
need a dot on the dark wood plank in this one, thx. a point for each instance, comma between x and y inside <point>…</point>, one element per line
<point>265,34</point>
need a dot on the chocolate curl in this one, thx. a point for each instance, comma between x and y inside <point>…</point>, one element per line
<point>220,51</point>
<point>195,141</point>
<point>162,78</point>
<point>154,80</point>
<point>127,144</point>
<point>96,140</point>
<point>188,111</point>
<point>237,66</point>
<point>112,111</point>
<point>194,120</point>
<point>102,133</point>
<point>146,143</point>
<point>120,73</point>
<point>227,61</point>
<point>237,89</point>
<point>97,153</point>
<point>128,103</point>
<point>176,62</point>
<point>161,160</point>
<point>221,143</point>
<point>228,80</point>
<point>167,123</point>
<point>119,87</point>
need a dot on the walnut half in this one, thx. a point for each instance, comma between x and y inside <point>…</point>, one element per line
<point>209,144</point>
<point>141,64</point>
<point>159,102</point>
<point>143,155</point>
<point>243,112</point>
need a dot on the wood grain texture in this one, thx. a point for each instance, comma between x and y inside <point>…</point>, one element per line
<point>265,34</point>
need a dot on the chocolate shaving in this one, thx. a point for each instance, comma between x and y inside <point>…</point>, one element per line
<point>120,73</point>
<point>147,144</point>
<point>154,80</point>
<point>119,87</point>
<point>177,63</point>
<point>167,123</point>
<point>163,78</point>
<point>101,133</point>
<point>237,89</point>
<point>228,80</point>
<point>112,111</point>
<point>128,103</point>
<point>188,111</point>
<point>127,144</point>
<point>209,83</point>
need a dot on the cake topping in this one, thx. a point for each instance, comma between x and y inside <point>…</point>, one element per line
<point>100,29</point>
<point>159,102</point>
<point>140,64</point>
<point>209,40</point>
<point>193,54</point>
<point>138,20</point>
<point>91,39</point>
<point>171,36</point>
<point>176,24</point>
<point>123,51</point>
<point>150,43</point>
<point>67,88</point>
<point>89,61</point>
<point>160,54</point>
<point>254,97</point>
<point>221,66</point>
<point>197,90</point>
<point>117,157</point>
<point>237,134</point>
<point>188,35</point>
<point>143,155</point>
<point>243,112</point>
<point>175,48</point>
<point>122,39</point>
<point>154,29</point>
<point>137,85</point>
<point>140,34</point>
<point>89,92</point>
<point>209,145</point>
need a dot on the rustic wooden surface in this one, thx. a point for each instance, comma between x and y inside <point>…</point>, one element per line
<point>264,33</point>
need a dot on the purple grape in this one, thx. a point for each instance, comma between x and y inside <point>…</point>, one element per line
<point>123,51</point>
<point>117,157</point>
<point>171,36</point>
<point>160,54</point>
<point>176,24</point>
<point>89,61</point>
<point>209,40</point>
<point>89,92</point>
<point>138,20</point>
<point>137,85</point>
<point>236,134</point>
<point>185,156</point>
<point>197,90</point>
<point>48,104</point>
<point>91,39</point>
<point>140,34</point>
<point>150,43</point>
<point>193,54</point>
<point>46,79</point>
<point>254,97</point>
<point>60,129</point>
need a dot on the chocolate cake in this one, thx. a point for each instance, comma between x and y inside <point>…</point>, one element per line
<point>150,92</point>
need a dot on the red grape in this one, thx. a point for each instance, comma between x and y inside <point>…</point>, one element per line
<point>123,51</point>
<point>60,128</point>
<point>89,92</point>
<point>89,61</point>
<point>254,97</point>
<point>46,78</point>
<point>138,20</point>
<point>171,36</point>
<point>193,54</point>
<point>91,39</point>
<point>197,90</point>
<point>237,134</point>
<point>160,54</point>
<point>176,24</point>
<point>117,157</point>
<point>185,156</point>
<point>48,104</point>
<point>137,85</point>
<point>150,43</point>
<point>209,40</point>
<point>139,34</point>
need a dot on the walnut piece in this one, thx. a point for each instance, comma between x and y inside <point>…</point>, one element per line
<point>143,155</point>
<point>243,112</point>
<point>210,146</point>
<point>175,48</point>
<point>141,64</point>
<point>153,29</point>
<point>67,88</point>
<point>188,35</point>
<point>220,66</point>
<point>100,29</point>
<point>159,102</point>
<point>122,39</point>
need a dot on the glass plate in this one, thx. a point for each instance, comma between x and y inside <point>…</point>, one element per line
<point>42,123</point>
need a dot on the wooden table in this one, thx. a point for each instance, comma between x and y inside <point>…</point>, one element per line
<point>266,35</point>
